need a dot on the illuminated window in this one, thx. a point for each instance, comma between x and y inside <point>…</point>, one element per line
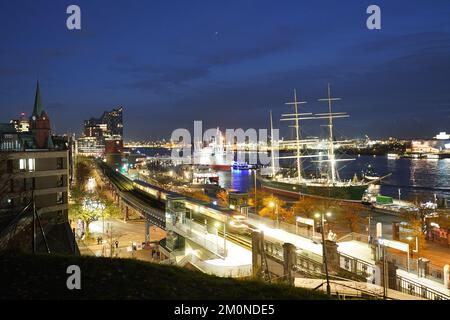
<point>31,165</point>
<point>22,164</point>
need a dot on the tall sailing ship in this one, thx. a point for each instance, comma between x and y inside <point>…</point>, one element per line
<point>328,185</point>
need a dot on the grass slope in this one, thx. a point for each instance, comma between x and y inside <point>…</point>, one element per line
<point>44,277</point>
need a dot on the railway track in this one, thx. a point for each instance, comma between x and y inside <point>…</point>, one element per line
<point>237,239</point>
<point>126,185</point>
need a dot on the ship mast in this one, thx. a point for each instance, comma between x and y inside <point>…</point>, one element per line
<point>297,135</point>
<point>331,155</point>
<point>271,145</point>
<point>296,117</point>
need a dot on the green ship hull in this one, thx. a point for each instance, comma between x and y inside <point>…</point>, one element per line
<point>352,193</point>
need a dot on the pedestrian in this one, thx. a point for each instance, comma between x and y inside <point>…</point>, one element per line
<point>116,243</point>
<point>98,240</point>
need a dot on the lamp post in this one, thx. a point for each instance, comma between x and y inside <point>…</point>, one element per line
<point>321,216</point>
<point>225,237</point>
<point>216,225</point>
<point>369,237</point>
<point>274,205</point>
<point>416,251</point>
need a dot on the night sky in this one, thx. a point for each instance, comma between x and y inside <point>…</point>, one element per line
<point>228,63</point>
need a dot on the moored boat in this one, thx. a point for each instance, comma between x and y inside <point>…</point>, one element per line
<point>329,187</point>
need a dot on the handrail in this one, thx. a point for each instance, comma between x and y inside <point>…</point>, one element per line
<point>441,295</point>
<point>16,219</point>
<point>356,259</point>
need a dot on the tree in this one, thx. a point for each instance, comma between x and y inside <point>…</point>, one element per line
<point>111,209</point>
<point>90,209</point>
<point>415,222</point>
<point>351,216</point>
<point>306,207</point>
<point>260,196</point>
<point>199,196</point>
<point>83,171</point>
<point>222,198</point>
<point>346,214</point>
<point>274,207</point>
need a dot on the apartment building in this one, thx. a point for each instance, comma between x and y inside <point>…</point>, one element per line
<point>34,177</point>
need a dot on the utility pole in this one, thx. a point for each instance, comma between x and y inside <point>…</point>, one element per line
<point>34,224</point>
<point>110,241</point>
<point>325,256</point>
<point>256,206</point>
<point>271,146</point>
<point>225,236</point>
<point>385,290</point>
<point>277,212</point>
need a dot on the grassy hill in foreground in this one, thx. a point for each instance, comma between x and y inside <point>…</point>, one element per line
<point>44,277</point>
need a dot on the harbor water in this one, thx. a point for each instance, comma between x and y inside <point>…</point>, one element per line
<point>411,179</point>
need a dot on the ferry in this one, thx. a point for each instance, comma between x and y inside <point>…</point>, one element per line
<point>241,166</point>
<point>393,156</point>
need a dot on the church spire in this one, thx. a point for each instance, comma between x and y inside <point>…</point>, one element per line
<point>38,108</point>
<point>40,123</point>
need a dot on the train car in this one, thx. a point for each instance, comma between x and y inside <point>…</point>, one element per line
<point>236,223</point>
<point>152,190</point>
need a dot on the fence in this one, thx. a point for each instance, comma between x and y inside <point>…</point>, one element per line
<point>433,272</point>
<point>354,236</point>
<point>304,263</point>
<point>198,234</point>
<point>418,290</point>
<point>222,270</point>
<point>273,249</point>
<point>356,266</point>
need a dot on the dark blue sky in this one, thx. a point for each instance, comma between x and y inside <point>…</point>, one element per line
<point>228,63</point>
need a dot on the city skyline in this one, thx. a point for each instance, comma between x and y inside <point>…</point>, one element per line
<point>239,60</point>
<point>225,158</point>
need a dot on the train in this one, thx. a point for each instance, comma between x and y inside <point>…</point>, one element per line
<point>237,223</point>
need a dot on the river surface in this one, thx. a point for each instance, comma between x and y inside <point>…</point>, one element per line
<point>422,178</point>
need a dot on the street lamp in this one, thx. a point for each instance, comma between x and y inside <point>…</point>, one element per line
<point>369,236</point>
<point>274,205</point>
<point>321,215</point>
<point>416,251</point>
<point>225,237</point>
<point>216,225</point>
